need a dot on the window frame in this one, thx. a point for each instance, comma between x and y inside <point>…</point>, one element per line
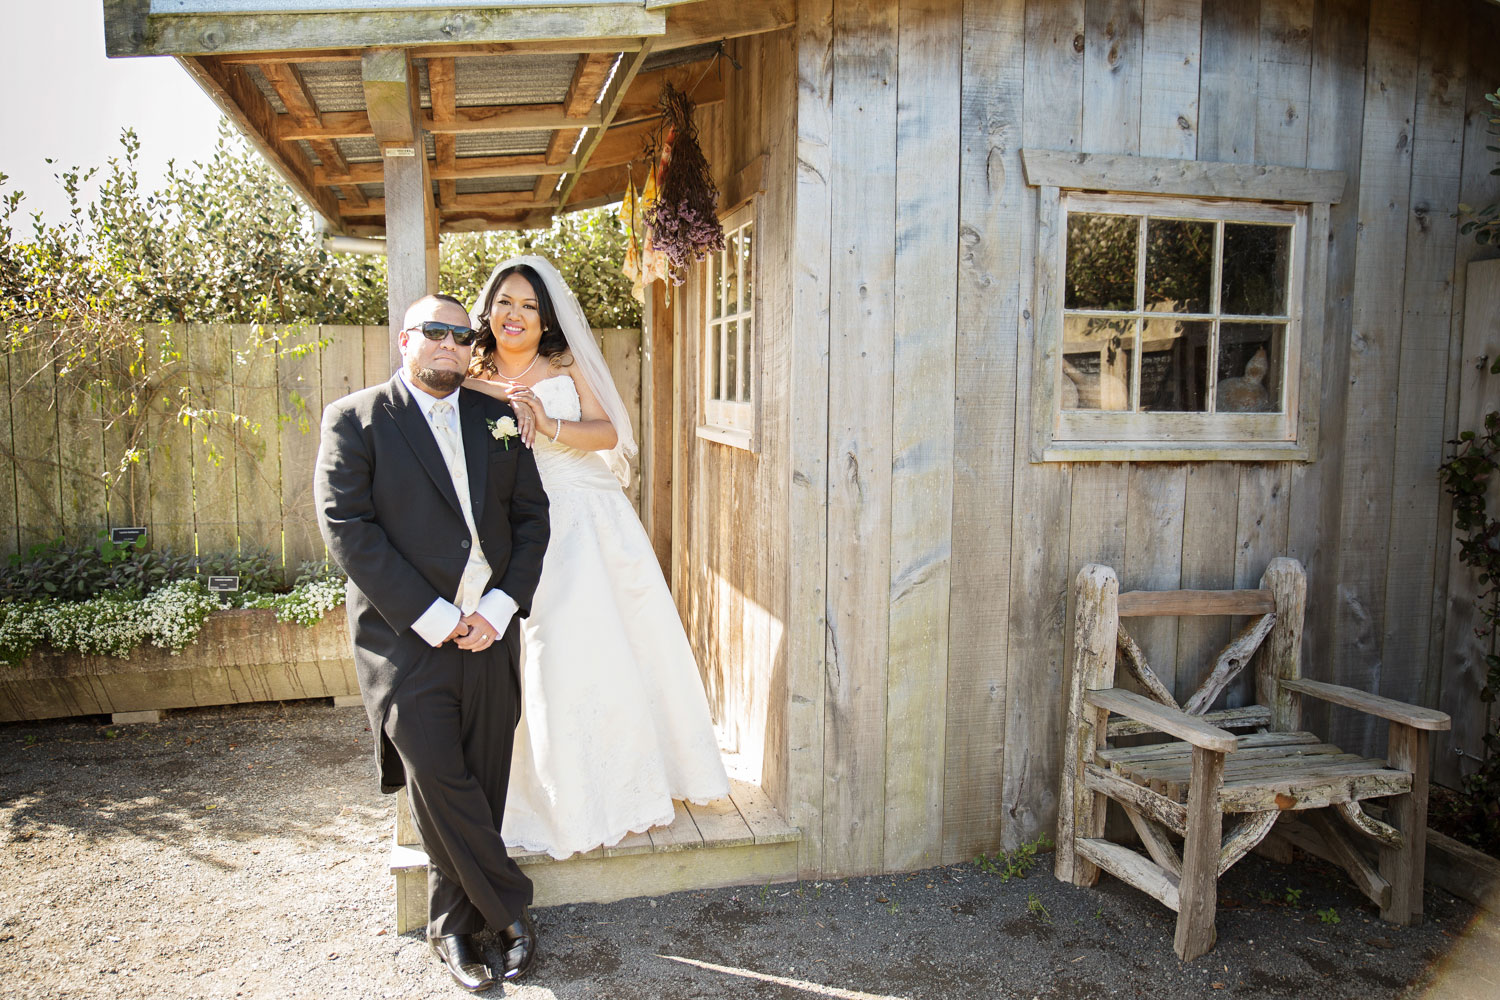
<point>1220,192</point>
<point>729,421</point>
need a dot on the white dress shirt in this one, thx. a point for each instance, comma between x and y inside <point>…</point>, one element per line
<point>496,606</point>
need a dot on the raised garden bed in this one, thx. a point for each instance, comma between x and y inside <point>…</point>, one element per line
<point>241,655</point>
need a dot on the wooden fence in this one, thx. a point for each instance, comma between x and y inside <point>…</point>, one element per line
<point>240,486</point>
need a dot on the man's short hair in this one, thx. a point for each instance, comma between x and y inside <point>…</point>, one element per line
<point>445,297</point>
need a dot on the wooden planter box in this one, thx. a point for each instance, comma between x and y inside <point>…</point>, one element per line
<point>240,656</point>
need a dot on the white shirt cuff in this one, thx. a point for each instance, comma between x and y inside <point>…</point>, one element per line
<point>497,607</point>
<point>437,622</point>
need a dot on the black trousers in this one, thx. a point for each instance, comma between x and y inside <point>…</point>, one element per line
<point>453,721</point>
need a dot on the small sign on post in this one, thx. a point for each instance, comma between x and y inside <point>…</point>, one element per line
<point>221,584</point>
<point>124,536</point>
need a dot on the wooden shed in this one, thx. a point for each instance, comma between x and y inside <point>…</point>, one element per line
<point>1011,286</point>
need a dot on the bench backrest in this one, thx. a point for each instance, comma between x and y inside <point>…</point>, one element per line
<point>1276,610</point>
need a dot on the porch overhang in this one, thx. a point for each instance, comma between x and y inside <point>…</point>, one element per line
<point>519,110</point>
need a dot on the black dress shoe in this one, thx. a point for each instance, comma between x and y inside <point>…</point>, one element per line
<point>464,960</point>
<point>519,941</point>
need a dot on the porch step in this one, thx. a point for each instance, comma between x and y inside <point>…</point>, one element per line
<point>739,840</point>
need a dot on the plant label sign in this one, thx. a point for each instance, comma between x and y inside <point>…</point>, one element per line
<point>223,583</point>
<point>124,536</point>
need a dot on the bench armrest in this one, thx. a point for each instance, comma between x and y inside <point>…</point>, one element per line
<point>1370,704</point>
<point>1172,721</point>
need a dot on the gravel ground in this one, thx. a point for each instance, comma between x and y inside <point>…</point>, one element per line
<point>242,852</point>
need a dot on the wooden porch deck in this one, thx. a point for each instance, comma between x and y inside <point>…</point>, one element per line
<point>739,840</point>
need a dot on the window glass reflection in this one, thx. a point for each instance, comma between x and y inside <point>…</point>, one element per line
<point>1097,357</point>
<point>1174,365</point>
<point>1179,265</point>
<point>1255,269</point>
<point>1101,261</point>
<point>1250,367</point>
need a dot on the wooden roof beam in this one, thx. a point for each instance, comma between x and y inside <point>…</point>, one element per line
<point>442,87</point>
<point>488,202</point>
<point>287,81</point>
<point>236,95</point>
<point>598,187</point>
<point>488,118</point>
<point>714,20</point>
<point>470,222</point>
<point>623,144</point>
<point>132,30</point>
<point>643,99</point>
<point>610,103</point>
<point>589,78</point>
<point>513,118</point>
<point>464,168</point>
<point>334,125</point>
<point>568,46</point>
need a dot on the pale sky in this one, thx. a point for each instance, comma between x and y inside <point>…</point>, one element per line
<point>60,97</point>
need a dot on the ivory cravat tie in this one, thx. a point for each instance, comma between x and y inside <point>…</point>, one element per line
<point>477,570</point>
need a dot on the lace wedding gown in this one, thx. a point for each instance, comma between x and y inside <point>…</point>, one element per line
<point>614,724</point>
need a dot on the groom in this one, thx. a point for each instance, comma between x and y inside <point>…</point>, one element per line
<point>430,504</point>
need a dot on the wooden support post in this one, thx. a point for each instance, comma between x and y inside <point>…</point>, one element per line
<point>1199,888</point>
<point>1080,810</point>
<point>390,84</point>
<point>1404,868</point>
<point>656,422</point>
<point>1282,657</point>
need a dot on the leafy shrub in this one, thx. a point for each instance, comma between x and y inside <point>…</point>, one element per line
<point>109,599</point>
<point>57,571</point>
<point>1473,814</point>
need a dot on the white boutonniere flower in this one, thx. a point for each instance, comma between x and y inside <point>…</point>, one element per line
<point>503,430</point>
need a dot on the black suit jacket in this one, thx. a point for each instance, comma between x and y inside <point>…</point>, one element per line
<point>389,512</point>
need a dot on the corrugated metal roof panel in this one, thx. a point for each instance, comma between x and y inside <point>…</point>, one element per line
<point>485,185</point>
<point>512,79</point>
<point>501,143</point>
<point>334,86</point>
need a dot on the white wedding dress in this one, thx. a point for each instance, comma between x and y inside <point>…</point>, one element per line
<point>614,724</point>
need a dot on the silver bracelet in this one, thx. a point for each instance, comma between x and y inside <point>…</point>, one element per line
<point>557,430</point>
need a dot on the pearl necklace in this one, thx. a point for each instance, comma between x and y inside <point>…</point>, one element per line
<point>516,378</point>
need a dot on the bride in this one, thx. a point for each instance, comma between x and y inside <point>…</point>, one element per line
<point>615,724</point>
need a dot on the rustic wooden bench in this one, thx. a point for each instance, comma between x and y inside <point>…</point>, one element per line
<point>1176,794</point>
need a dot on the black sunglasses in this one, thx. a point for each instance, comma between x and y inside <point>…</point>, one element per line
<point>433,330</point>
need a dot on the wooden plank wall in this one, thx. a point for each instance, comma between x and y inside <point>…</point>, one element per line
<point>229,490</point>
<point>730,575</point>
<point>910,724</point>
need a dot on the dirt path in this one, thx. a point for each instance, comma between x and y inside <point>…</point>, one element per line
<point>242,852</point>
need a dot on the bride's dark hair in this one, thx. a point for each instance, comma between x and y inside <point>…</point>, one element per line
<point>554,343</point>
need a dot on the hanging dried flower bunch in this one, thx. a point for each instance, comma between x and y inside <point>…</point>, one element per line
<point>684,222</point>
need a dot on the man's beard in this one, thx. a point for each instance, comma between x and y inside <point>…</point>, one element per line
<point>437,381</point>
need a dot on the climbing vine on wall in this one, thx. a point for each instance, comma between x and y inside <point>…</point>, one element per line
<point>1475,814</point>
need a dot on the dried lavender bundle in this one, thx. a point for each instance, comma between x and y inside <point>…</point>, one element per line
<point>684,222</point>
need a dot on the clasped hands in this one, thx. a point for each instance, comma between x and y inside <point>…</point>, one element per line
<point>472,633</point>
<point>528,410</point>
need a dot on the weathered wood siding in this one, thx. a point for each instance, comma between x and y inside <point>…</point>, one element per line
<point>914,562</point>
<point>729,534</point>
